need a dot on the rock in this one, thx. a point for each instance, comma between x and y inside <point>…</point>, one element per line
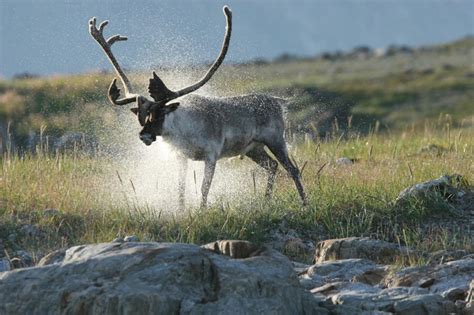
<point>300,268</point>
<point>280,236</point>
<point>358,247</point>
<point>344,161</point>
<point>55,257</point>
<point>158,278</point>
<point>21,259</point>
<point>455,294</point>
<point>447,187</point>
<point>297,248</point>
<point>334,271</point>
<point>233,248</point>
<point>30,230</point>
<point>5,265</point>
<point>359,298</point>
<point>394,300</point>
<point>443,256</point>
<point>12,237</point>
<point>372,276</point>
<point>131,238</point>
<point>447,280</point>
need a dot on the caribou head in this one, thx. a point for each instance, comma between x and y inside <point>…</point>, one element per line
<point>151,113</point>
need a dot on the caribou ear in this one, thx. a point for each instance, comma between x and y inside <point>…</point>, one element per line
<point>134,110</point>
<point>158,90</point>
<point>171,108</point>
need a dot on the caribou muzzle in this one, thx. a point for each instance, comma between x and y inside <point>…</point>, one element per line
<point>147,138</point>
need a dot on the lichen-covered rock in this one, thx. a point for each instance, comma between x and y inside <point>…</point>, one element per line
<point>443,256</point>
<point>448,187</point>
<point>450,280</point>
<point>359,298</point>
<point>334,271</point>
<point>4,265</point>
<point>55,257</point>
<point>358,247</point>
<point>156,278</point>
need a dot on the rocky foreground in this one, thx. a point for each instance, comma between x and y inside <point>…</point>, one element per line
<point>236,277</point>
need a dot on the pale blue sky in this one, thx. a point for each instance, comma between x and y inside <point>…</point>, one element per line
<point>50,36</point>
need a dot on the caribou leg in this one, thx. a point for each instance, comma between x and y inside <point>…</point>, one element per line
<point>261,157</point>
<point>209,168</point>
<point>281,153</point>
<point>183,168</point>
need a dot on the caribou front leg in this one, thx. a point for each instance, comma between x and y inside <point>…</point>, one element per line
<point>209,168</point>
<point>183,169</point>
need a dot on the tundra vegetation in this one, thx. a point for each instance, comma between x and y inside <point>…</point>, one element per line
<point>403,118</point>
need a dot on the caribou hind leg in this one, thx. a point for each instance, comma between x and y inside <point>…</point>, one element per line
<point>183,168</point>
<point>209,168</point>
<point>261,157</point>
<point>278,148</point>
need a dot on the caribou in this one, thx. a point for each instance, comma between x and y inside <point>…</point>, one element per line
<point>203,128</point>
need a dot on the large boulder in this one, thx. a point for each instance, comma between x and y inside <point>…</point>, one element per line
<point>157,278</point>
<point>358,247</point>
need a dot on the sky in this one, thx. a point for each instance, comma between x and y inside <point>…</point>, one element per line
<point>48,37</point>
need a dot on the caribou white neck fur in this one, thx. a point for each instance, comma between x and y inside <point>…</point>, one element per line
<point>204,128</point>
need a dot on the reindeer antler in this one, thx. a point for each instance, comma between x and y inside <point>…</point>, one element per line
<point>158,90</point>
<point>114,92</point>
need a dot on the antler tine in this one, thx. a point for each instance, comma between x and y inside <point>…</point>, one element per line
<point>114,92</point>
<point>102,26</point>
<point>116,38</point>
<point>218,62</point>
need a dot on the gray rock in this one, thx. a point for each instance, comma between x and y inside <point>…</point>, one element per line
<point>21,259</point>
<point>130,238</point>
<point>344,161</point>
<point>158,278</point>
<point>395,300</point>
<point>5,265</point>
<point>30,230</point>
<point>12,237</point>
<point>233,248</point>
<point>333,271</point>
<point>55,257</point>
<point>358,247</point>
<point>443,256</point>
<point>447,187</point>
<point>446,280</point>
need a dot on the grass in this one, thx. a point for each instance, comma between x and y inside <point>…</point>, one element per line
<point>353,200</point>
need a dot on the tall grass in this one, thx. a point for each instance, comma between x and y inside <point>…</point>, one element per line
<point>345,200</point>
